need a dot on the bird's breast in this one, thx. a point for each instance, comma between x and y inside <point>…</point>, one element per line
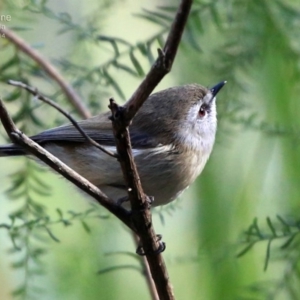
<point>165,171</point>
<point>165,174</point>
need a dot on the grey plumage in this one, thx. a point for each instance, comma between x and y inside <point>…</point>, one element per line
<point>171,143</point>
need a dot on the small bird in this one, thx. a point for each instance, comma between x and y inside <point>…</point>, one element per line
<point>172,136</point>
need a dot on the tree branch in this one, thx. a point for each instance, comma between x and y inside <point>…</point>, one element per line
<point>140,219</point>
<point>121,118</point>
<point>146,271</point>
<point>68,90</point>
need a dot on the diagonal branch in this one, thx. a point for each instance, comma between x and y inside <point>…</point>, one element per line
<point>163,63</point>
<point>68,90</point>
<point>21,139</point>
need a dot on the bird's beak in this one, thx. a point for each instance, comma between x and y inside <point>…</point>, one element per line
<point>215,90</point>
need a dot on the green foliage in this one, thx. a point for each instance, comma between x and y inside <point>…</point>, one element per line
<point>30,227</point>
<point>22,229</point>
<point>284,230</point>
<point>285,234</point>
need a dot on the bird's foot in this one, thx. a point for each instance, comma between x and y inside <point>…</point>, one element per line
<point>161,248</point>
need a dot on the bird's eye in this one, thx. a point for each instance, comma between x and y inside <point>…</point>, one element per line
<point>202,111</point>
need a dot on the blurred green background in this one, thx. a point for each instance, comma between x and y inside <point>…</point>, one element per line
<point>253,172</point>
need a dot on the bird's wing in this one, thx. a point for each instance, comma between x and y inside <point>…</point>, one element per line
<point>99,130</point>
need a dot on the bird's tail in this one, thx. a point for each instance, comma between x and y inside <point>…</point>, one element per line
<point>11,150</point>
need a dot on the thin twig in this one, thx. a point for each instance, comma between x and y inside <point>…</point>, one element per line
<point>121,118</point>
<point>68,90</point>
<point>45,99</point>
<point>21,139</point>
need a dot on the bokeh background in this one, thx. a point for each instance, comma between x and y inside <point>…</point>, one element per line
<point>252,177</point>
